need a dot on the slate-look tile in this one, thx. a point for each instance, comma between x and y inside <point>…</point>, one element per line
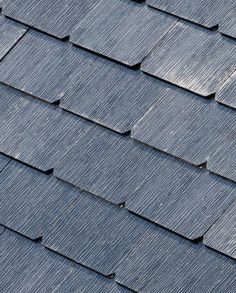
<point>43,66</point>
<point>185,200</point>
<point>164,262</point>
<point>227,93</point>
<point>123,30</point>
<point>30,201</point>
<point>222,235</point>
<point>186,126</point>
<point>10,33</point>
<point>28,267</point>
<point>112,95</point>
<point>223,160</point>
<point>3,162</point>
<point>33,131</point>
<point>228,24</point>
<point>55,17</point>
<point>206,13</point>
<point>96,233</point>
<point>194,58</point>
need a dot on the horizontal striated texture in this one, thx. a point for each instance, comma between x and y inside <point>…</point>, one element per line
<point>193,58</point>
<point>10,33</point>
<point>112,95</point>
<point>43,66</point>
<point>3,162</point>
<point>56,17</point>
<point>28,267</point>
<point>207,13</point>
<point>228,25</point>
<point>30,201</point>
<point>187,201</point>
<point>222,235</point>
<point>227,93</point>
<point>35,132</point>
<point>123,30</point>
<point>164,262</point>
<point>186,126</point>
<point>223,160</point>
<point>96,233</point>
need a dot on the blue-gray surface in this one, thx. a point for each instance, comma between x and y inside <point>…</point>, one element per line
<point>221,236</point>
<point>207,13</point>
<point>166,263</point>
<point>54,17</point>
<point>3,162</point>
<point>114,177</point>
<point>227,93</point>
<point>177,57</point>
<point>29,267</point>
<point>10,32</point>
<point>122,30</point>
<point>186,126</point>
<point>60,62</point>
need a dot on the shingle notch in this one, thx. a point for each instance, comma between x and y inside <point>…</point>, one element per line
<point>95,88</point>
<point>43,66</point>
<point>51,16</point>
<point>228,24</point>
<point>223,160</point>
<point>96,233</point>
<point>113,95</point>
<point>30,200</point>
<point>164,262</point>
<point>194,58</point>
<point>227,93</point>
<point>123,30</point>
<point>37,133</point>
<point>186,126</point>
<point>10,33</point>
<point>206,13</point>
<point>185,200</point>
<point>28,267</point>
<point>222,235</point>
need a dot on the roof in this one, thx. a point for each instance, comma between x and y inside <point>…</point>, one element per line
<point>117,146</point>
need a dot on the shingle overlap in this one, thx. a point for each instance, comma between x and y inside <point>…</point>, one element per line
<point>123,30</point>
<point>194,58</point>
<point>10,33</point>
<point>54,17</point>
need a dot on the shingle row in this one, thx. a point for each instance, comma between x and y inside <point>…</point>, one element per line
<point>196,130</point>
<point>28,267</point>
<point>93,87</point>
<point>207,13</point>
<point>10,33</point>
<point>53,17</point>
<point>170,192</point>
<point>104,237</point>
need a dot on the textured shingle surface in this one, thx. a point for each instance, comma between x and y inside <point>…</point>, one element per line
<point>117,146</point>
<point>54,17</point>
<point>122,30</point>
<point>186,126</point>
<point>46,69</point>
<point>207,13</point>
<point>28,267</point>
<point>30,202</point>
<point>3,161</point>
<point>10,33</point>
<point>166,263</point>
<point>222,235</point>
<point>178,56</point>
<point>227,93</point>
